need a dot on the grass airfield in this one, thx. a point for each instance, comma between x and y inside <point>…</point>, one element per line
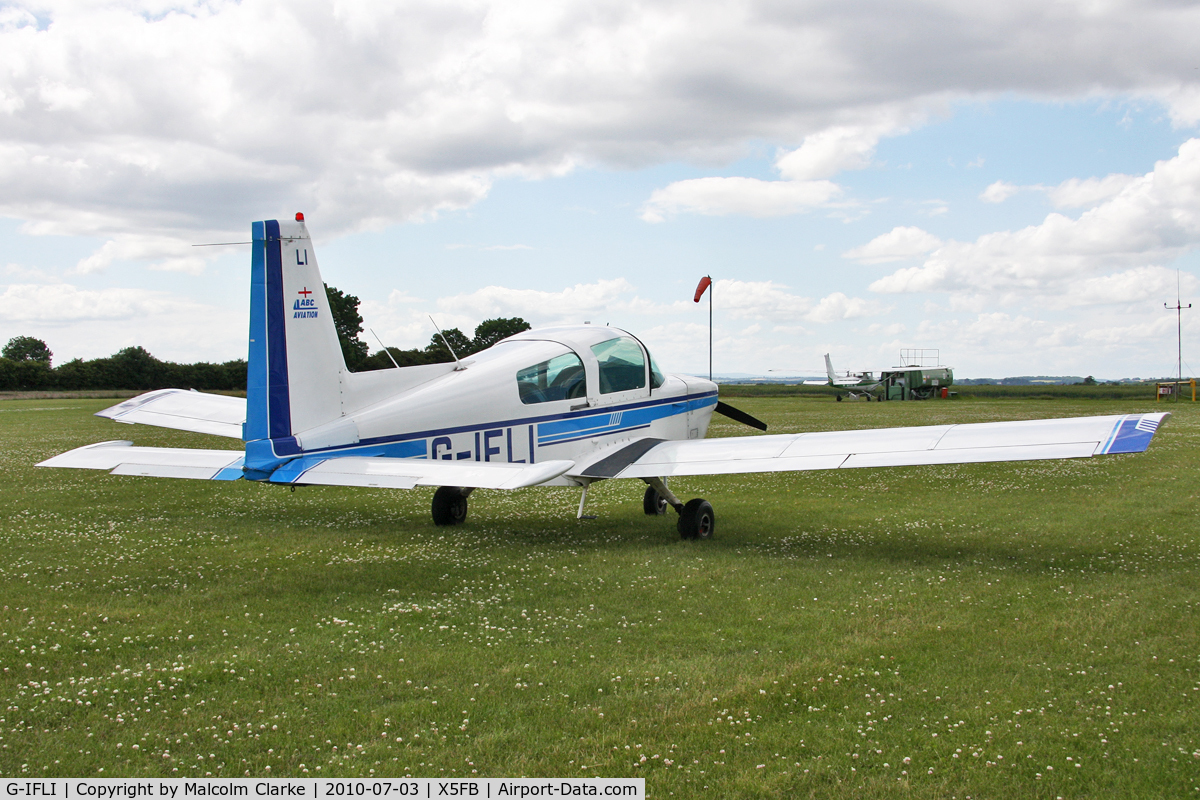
<point>986,630</point>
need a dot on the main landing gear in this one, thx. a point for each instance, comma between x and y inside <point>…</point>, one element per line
<point>450,505</point>
<point>697,520</point>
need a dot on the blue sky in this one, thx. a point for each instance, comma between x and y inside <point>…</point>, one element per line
<point>1024,209</point>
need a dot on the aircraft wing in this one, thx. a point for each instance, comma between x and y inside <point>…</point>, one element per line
<point>817,383</point>
<point>122,458</point>
<point>194,411</point>
<point>405,473</point>
<point>1078,437</point>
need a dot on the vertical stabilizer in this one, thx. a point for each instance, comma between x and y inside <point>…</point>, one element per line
<point>829,369</point>
<point>295,364</point>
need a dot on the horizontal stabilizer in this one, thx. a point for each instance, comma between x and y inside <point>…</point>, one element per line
<point>122,458</point>
<point>405,473</point>
<point>182,410</point>
<point>1078,437</point>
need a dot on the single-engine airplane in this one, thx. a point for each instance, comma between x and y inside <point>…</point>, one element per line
<point>863,382</point>
<point>563,406</point>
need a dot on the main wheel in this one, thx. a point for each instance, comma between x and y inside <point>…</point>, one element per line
<point>697,520</point>
<point>653,503</point>
<point>449,506</point>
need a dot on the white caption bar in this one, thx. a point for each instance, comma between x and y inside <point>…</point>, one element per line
<point>312,788</point>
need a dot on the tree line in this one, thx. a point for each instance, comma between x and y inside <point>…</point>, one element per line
<point>26,362</point>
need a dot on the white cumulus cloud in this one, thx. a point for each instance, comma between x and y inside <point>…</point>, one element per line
<point>746,196</point>
<point>838,306</point>
<point>112,318</point>
<point>1152,218</point>
<point>1085,193</point>
<point>175,118</point>
<point>998,192</point>
<point>899,243</point>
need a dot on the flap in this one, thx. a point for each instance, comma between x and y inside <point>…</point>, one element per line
<point>405,473</point>
<point>122,458</point>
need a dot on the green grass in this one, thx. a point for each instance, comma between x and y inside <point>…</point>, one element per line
<point>983,630</point>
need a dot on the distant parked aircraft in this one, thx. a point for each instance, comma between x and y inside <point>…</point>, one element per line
<point>864,382</point>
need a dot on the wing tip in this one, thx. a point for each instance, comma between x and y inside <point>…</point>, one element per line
<point>1133,433</point>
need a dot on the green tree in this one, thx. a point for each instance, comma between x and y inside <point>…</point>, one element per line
<point>136,368</point>
<point>490,331</point>
<point>27,348</point>
<point>404,358</point>
<point>348,322</point>
<point>457,339</point>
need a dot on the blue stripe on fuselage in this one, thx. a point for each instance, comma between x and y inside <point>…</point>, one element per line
<point>591,419</point>
<point>292,470</point>
<point>610,421</point>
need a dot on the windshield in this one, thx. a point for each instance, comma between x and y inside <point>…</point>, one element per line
<point>622,365</point>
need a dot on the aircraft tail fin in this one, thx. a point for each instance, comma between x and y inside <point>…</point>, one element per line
<point>295,364</point>
<point>829,369</point>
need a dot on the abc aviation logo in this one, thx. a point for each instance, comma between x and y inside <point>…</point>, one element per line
<point>305,306</point>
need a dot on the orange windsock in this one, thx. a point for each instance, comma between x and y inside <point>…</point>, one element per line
<point>705,282</point>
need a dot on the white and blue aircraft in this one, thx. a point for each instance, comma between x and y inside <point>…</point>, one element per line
<point>563,406</point>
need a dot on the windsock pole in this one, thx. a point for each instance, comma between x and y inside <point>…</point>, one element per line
<point>706,284</point>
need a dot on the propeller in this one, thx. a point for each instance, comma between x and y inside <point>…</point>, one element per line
<point>740,416</point>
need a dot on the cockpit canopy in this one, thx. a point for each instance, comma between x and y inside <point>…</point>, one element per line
<point>621,366</point>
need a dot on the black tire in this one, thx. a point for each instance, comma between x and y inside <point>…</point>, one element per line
<point>449,506</point>
<point>697,520</point>
<point>653,503</point>
<point>839,398</point>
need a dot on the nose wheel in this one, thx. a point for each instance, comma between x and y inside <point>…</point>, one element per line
<point>653,503</point>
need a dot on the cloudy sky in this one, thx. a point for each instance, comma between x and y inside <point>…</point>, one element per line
<point>1016,184</point>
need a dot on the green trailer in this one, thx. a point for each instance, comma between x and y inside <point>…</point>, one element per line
<point>920,378</point>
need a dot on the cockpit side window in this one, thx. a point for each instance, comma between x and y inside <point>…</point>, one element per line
<point>622,365</point>
<point>559,378</point>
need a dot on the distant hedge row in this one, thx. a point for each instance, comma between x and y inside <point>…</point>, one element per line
<point>131,368</point>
